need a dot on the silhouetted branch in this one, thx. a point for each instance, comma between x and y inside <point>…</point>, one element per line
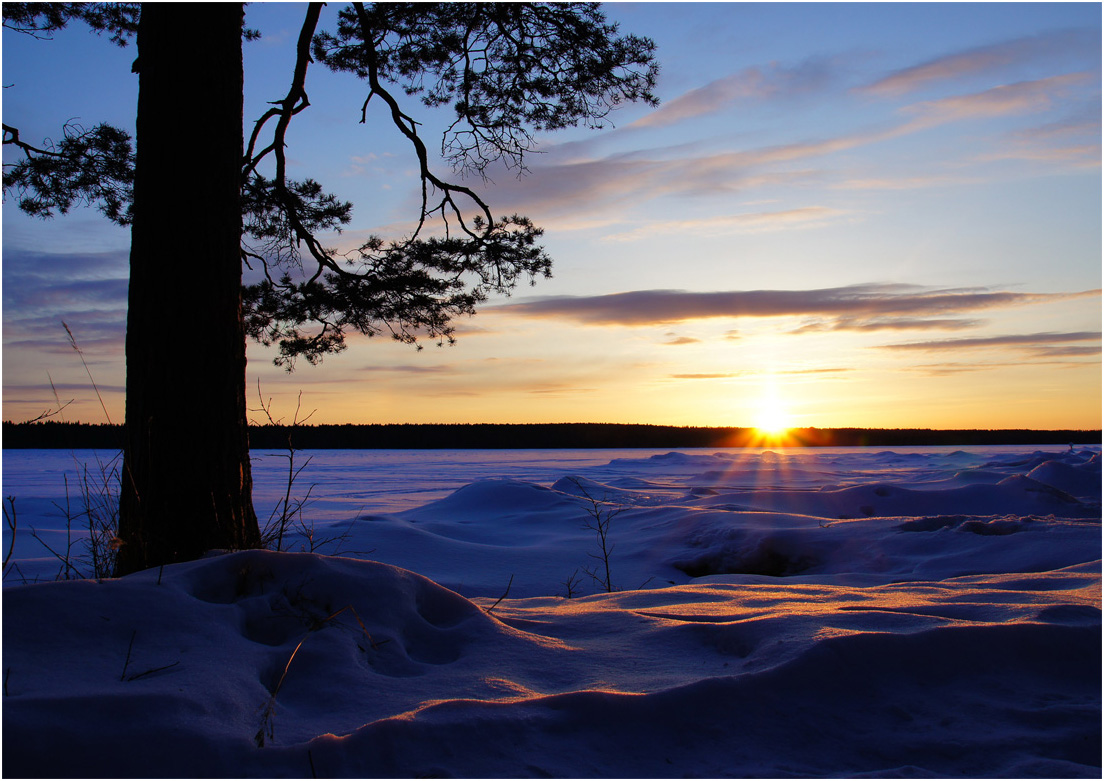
<point>40,20</point>
<point>601,514</point>
<point>85,167</point>
<point>49,413</point>
<point>505,594</point>
<point>12,520</point>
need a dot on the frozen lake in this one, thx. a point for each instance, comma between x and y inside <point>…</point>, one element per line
<point>384,481</point>
<point>349,485</point>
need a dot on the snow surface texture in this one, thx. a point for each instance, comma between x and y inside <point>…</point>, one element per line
<point>857,613</point>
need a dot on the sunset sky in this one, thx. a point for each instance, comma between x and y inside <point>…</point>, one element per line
<point>873,215</point>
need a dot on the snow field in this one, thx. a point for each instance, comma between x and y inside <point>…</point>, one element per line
<point>782,630</point>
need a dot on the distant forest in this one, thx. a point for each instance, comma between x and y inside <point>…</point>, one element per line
<point>463,436</point>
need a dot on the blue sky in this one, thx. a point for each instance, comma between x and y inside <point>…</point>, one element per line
<point>840,215</point>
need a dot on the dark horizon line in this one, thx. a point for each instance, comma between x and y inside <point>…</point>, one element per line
<point>446,436</point>
<point>307,425</point>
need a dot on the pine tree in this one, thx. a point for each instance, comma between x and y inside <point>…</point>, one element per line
<point>202,200</point>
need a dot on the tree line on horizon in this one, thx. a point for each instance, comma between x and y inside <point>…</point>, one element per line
<point>446,436</point>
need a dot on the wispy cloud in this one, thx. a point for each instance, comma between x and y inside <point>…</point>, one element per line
<point>36,390</point>
<point>751,222</point>
<point>850,306</point>
<point>1023,97</point>
<point>1073,140</point>
<point>67,296</point>
<point>816,371</point>
<point>26,264</point>
<point>722,376</point>
<point>676,340</point>
<point>559,188</point>
<point>766,82</point>
<point>905,182</point>
<point>369,164</point>
<point>410,369</point>
<point>1037,341</point>
<point>1069,351</point>
<point>1048,45</point>
<point>97,332</point>
<point>734,375</point>
<point>1080,156</point>
<point>887,324</point>
<point>86,290</point>
<point>950,368</point>
<point>557,389</point>
<point>564,186</point>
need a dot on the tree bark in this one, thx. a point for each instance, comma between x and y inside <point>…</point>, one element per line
<point>186,484</point>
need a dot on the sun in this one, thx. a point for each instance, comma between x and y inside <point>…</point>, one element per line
<point>772,419</point>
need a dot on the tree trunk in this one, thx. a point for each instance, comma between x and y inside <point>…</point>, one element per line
<point>186,485</point>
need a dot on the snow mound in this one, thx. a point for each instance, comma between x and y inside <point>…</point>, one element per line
<point>974,476</point>
<point>877,550</point>
<point>1080,480</point>
<point>675,461</point>
<point>749,722</point>
<point>1016,494</point>
<point>591,490</point>
<point>498,495</point>
<point>235,651</point>
<point>763,475</point>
